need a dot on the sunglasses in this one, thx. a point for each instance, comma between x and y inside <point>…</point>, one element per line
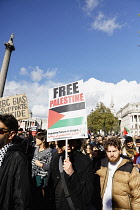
<point>3,130</point>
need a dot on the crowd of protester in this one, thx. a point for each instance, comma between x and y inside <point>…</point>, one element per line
<point>51,181</point>
<point>91,146</point>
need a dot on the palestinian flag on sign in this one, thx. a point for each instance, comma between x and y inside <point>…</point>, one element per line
<point>126,131</point>
<point>67,115</point>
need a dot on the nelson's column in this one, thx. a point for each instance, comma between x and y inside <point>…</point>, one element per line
<point>4,69</point>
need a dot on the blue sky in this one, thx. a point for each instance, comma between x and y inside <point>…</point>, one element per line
<point>61,41</point>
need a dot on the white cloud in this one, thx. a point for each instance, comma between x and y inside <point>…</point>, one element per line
<point>40,111</point>
<point>38,74</point>
<point>23,71</point>
<point>122,93</point>
<point>50,73</point>
<point>105,24</point>
<point>95,92</point>
<point>90,5</point>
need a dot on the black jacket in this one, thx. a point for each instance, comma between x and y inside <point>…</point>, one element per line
<point>80,183</point>
<point>14,179</point>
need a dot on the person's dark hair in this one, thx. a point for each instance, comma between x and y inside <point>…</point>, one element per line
<point>61,143</point>
<point>20,129</point>
<point>52,145</point>
<point>97,146</point>
<point>137,140</point>
<point>128,139</point>
<point>43,137</point>
<point>77,143</point>
<point>113,141</point>
<point>9,121</point>
<point>90,145</point>
<point>39,130</point>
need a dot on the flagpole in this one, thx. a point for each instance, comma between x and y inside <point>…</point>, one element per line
<point>66,150</point>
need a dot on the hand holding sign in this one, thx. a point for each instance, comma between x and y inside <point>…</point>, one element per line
<point>67,166</point>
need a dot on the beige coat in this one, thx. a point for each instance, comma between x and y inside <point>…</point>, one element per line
<point>125,187</point>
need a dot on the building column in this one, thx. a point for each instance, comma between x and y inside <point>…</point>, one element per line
<point>4,69</point>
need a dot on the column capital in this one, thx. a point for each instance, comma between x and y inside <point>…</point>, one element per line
<point>10,44</point>
<point>9,47</point>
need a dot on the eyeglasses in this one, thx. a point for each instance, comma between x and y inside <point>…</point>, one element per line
<point>3,130</point>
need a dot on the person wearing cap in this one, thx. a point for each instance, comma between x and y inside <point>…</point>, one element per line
<point>129,149</point>
<point>117,180</point>
<point>14,173</point>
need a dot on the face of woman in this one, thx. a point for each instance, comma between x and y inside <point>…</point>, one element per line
<point>88,149</point>
<point>39,142</point>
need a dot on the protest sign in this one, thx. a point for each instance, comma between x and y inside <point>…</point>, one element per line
<point>67,117</point>
<point>34,130</point>
<point>16,105</point>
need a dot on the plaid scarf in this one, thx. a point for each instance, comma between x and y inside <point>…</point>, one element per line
<point>3,151</point>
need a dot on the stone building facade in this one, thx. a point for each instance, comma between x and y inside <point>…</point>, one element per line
<point>129,117</point>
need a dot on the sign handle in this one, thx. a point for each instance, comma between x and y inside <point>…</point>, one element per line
<point>66,150</point>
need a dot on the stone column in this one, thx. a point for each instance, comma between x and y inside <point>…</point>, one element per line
<point>4,69</point>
